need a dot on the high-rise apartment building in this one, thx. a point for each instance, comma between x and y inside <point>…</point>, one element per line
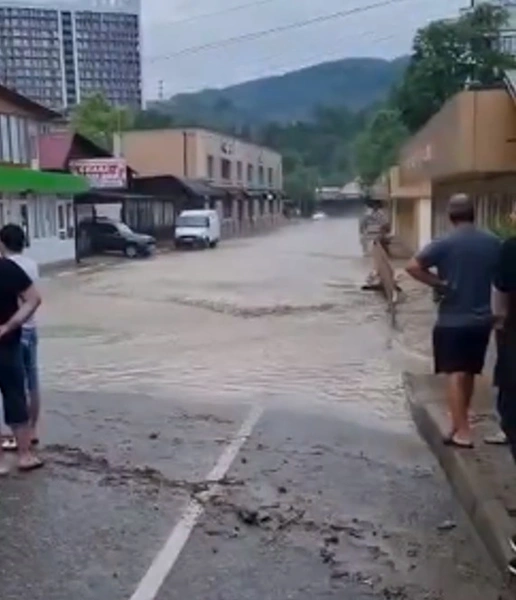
<point>59,52</point>
<point>508,33</point>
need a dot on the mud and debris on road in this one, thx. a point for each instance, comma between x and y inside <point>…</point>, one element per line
<point>151,370</point>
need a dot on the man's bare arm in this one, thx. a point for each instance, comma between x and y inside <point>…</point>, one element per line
<point>419,273</point>
<point>499,306</point>
<point>31,299</point>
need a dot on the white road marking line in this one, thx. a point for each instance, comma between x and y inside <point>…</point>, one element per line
<point>165,560</point>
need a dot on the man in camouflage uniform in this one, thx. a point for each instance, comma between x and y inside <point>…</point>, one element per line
<point>374,225</point>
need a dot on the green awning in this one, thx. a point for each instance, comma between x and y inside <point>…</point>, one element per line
<point>18,180</point>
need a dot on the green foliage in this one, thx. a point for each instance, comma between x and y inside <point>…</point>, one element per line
<point>300,185</point>
<point>446,57</point>
<point>97,120</point>
<point>504,230</point>
<point>152,119</point>
<point>311,116</point>
<point>377,146</point>
<point>353,82</point>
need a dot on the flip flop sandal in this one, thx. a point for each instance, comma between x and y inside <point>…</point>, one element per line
<point>448,437</point>
<point>33,465</point>
<point>456,444</point>
<point>9,445</point>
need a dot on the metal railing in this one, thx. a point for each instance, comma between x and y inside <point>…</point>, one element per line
<point>385,272</point>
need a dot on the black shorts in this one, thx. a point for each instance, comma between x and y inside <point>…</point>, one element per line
<point>460,349</point>
<point>12,386</point>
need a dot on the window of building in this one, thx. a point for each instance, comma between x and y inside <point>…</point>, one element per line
<point>225,169</point>
<point>70,221</point>
<point>23,135</point>
<point>5,143</point>
<point>15,139</point>
<point>61,221</point>
<point>250,174</point>
<point>261,175</point>
<point>210,166</point>
<point>50,218</point>
<point>270,176</point>
<point>239,170</point>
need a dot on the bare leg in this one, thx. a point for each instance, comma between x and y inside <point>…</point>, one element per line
<point>27,460</point>
<point>34,410</point>
<point>469,388</point>
<point>23,437</point>
<point>460,389</point>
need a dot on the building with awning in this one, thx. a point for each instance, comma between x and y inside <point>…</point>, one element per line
<point>469,147</point>
<point>40,202</point>
<point>16,180</point>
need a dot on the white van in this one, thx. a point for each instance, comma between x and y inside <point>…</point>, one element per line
<point>199,228</point>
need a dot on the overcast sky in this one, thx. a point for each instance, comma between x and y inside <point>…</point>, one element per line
<point>384,31</point>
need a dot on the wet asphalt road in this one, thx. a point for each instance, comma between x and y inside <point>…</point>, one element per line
<point>151,368</point>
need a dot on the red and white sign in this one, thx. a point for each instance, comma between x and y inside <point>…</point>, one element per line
<point>102,172</point>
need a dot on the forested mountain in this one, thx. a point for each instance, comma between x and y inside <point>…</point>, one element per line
<point>352,82</point>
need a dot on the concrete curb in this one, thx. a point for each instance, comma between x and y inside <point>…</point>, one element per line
<point>488,515</point>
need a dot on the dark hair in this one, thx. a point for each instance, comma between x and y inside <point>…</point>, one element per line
<point>461,209</point>
<point>12,237</point>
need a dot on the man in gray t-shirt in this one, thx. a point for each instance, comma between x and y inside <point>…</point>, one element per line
<point>460,267</point>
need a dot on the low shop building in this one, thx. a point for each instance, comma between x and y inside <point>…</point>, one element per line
<point>240,211</point>
<point>245,179</point>
<point>468,147</point>
<point>39,201</point>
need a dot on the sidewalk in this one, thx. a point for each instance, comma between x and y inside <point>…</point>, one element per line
<point>484,479</point>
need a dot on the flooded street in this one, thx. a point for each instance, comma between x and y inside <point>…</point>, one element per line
<point>257,319</point>
<point>231,425</point>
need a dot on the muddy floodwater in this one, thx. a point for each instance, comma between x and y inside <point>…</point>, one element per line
<point>260,382</point>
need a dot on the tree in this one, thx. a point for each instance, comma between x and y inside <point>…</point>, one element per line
<point>300,186</point>
<point>152,119</point>
<point>98,120</point>
<point>376,148</point>
<point>446,56</point>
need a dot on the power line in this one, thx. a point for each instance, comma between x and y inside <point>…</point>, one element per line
<point>284,69</point>
<point>278,69</point>
<point>216,13</point>
<point>337,54</point>
<point>280,29</point>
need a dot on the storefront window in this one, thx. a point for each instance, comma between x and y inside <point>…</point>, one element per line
<point>5,143</point>
<point>15,139</point>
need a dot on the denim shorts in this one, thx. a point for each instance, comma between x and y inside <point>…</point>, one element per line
<point>29,346</point>
<point>12,386</point>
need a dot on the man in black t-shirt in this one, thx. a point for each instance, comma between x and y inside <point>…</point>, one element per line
<point>19,299</point>
<point>504,311</point>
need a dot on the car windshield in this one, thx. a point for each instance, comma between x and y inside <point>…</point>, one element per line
<point>192,221</point>
<point>123,228</point>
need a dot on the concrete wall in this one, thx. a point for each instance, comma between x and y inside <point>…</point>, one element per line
<point>48,242</point>
<point>160,152</point>
<point>424,218</point>
<point>184,153</point>
<point>474,132</point>
<point>50,251</point>
<point>236,151</point>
